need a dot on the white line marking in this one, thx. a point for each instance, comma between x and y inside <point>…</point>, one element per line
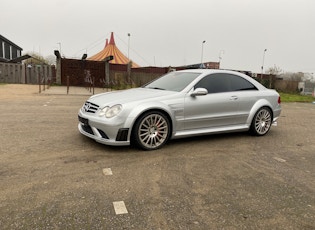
<point>120,207</point>
<point>279,159</point>
<point>107,171</point>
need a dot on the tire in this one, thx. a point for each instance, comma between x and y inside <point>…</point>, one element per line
<point>151,131</point>
<point>261,122</point>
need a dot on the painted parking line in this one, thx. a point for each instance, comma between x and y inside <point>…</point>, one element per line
<point>46,104</point>
<point>279,159</point>
<point>120,207</point>
<point>107,171</point>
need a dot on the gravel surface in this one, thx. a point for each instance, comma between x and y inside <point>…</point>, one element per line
<point>52,177</point>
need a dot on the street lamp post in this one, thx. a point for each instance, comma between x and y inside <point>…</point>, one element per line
<point>59,43</point>
<point>201,65</point>
<point>129,62</point>
<point>220,57</point>
<point>128,45</point>
<point>263,62</point>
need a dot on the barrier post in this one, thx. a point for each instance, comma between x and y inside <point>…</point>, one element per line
<point>93,84</point>
<point>39,88</point>
<point>68,83</point>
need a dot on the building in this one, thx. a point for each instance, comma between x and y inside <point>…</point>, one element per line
<point>8,50</point>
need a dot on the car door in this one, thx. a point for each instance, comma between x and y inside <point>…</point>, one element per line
<point>247,95</point>
<point>216,109</point>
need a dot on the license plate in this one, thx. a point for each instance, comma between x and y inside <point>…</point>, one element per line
<point>83,120</point>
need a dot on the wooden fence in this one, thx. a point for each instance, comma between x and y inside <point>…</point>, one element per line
<point>85,73</point>
<point>26,74</point>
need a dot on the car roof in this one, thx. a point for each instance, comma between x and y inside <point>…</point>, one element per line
<point>208,71</point>
<point>204,72</point>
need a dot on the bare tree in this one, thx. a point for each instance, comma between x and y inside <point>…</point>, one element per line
<point>51,59</point>
<point>36,59</point>
<point>292,76</point>
<point>275,70</point>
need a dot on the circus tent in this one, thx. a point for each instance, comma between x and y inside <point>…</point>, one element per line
<point>111,49</point>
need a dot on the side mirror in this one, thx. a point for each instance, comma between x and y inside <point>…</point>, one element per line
<point>199,92</point>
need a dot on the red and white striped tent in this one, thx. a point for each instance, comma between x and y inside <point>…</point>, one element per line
<point>111,49</point>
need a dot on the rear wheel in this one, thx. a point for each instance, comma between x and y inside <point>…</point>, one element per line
<point>261,122</point>
<point>151,130</point>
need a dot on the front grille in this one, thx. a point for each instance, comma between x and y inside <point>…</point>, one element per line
<point>89,107</point>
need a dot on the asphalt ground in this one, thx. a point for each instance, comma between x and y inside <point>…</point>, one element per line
<point>52,177</point>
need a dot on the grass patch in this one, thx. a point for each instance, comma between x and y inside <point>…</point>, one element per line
<point>291,97</point>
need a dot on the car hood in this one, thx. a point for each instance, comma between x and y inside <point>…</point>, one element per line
<point>127,96</point>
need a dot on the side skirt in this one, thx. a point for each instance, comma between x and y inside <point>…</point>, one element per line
<point>213,130</point>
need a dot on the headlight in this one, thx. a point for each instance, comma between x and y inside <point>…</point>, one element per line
<point>110,112</point>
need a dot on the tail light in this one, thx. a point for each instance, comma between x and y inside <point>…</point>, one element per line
<point>279,100</point>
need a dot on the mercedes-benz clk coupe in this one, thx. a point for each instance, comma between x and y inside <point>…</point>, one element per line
<point>180,104</point>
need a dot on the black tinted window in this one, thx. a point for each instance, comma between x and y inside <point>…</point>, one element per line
<point>221,82</point>
<point>239,83</point>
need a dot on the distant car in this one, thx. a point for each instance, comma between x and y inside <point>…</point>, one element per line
<point>180,104</point>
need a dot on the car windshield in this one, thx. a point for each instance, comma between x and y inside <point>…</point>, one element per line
<point>173,81</point>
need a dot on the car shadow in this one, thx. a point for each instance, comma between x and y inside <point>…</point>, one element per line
<point>174,143</point>
<point>209,137</point>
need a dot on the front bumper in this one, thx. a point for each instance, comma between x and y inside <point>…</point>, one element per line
<point>109,134</point>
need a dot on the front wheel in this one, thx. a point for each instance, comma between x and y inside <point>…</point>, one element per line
<point>151,130</point>
<point>261,122</point>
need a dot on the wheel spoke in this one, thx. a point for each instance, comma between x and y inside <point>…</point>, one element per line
<point>154,141</point>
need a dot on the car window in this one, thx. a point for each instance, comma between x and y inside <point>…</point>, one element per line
<point>222,82</point>
<point>214,83</point>
<point>173,81</point>
<point>239,83</point>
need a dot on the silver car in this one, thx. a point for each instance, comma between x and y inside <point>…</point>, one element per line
<point>180,104</point>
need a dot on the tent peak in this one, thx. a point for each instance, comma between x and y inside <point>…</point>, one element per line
<point>112,41</point>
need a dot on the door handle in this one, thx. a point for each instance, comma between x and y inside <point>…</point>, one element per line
<point>233,98</point>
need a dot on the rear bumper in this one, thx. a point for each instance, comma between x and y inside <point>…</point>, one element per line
<point>276,115</point>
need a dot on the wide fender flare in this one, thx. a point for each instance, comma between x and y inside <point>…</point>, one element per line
<point>259,104</point>
<point>140,109</point>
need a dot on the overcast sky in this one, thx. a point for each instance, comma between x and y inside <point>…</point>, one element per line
<point>170,32</point>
